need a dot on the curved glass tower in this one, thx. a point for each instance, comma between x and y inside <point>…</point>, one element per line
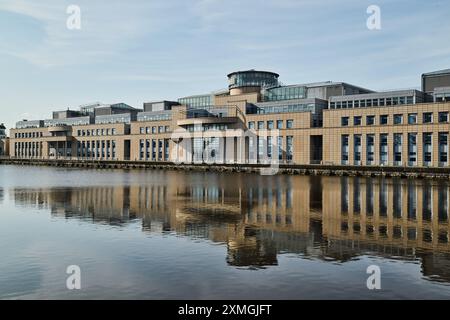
<point>251,80</point>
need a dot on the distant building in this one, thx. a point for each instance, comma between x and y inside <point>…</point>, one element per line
<point>4,141</point>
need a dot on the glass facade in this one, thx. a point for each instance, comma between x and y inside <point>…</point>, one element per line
<point>285,108</point>
<point>154,116</point>
<point>197,101</point>
<point>252,78</point>
<point>284,93</point>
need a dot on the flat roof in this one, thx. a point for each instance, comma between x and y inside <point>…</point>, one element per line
<point>253,70</point>
<point>437,73</point>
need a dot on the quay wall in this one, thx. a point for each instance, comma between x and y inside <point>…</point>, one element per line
<point>322,169</point>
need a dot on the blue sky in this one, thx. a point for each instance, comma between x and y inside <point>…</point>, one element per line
<point>144,50</point>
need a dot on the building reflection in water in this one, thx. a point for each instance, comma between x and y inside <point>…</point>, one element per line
<point>330,218</point>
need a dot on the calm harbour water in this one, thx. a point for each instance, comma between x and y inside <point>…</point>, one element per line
<point>191,235</point>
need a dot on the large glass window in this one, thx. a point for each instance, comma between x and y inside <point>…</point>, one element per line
<point>289,148</point>
<point>344,148</point>
<point>427,148</point>
<point>443,148</point>
<point>370,143</point>
<point>383,148</point>
<point>398,148</point>
<point>412,148</point>
<point>357,149</point>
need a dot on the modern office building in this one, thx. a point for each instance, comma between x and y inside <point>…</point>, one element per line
<point>257,120</point>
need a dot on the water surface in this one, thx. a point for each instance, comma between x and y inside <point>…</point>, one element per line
<point>190,235</point>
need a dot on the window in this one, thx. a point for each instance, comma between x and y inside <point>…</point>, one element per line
<point>398,148</point>
<point>153,130</point>
<point>383,148</point>
<point>370,120</point>
<point>384,119</point>
<point>251,125</point>
<point>443,117</point>
<point>357,149</point>
<point>142,130</point>
<point>428,117</point>
<point>147,130</point>
<point>357,121</point>
<point>427,148</point>
<point>344,149</point>
<point>412,118</point>
<point>160,129</point>
<point>289,148</point>
<point>167,129</point>
<point>412,148</point>
<point>344,121</point>
<point>398,118</point>
<point>370,141</point>
<point>260,124</point>
<point>279,124</point>
<point>443,147</point>
<point>270,124</point>
<point>289,124</point>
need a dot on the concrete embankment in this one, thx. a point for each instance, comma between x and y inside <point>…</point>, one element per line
<point>325,170</point>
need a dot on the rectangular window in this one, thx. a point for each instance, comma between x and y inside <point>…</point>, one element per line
<point>344,121</point>
<point>289,148</point>
<point>160,129</point>
<point>383,148</point>
<point>260,124</point>
<point>357,120</point>
<point>251,125</point>
<point>398,137</point>
<point>443,117</point>
<point>384,119</point>
<point>270,124</point>
<point>412,148</point>
<point>357,149</point>
<point>344,149</point>
<point>289,124</point>
<point>428,117</point>
<point>398,118</point>
<point>443,148</point>
<point>370,142</point>
<point>370,120</point>
<point>167,129</point>
<point>279,124</point>
<point>141,130</point>
<point>412,118</point>
<point>427,148</point>
<point>153,130</point>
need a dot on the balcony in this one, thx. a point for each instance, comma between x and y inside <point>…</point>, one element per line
<point>210,115</point>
